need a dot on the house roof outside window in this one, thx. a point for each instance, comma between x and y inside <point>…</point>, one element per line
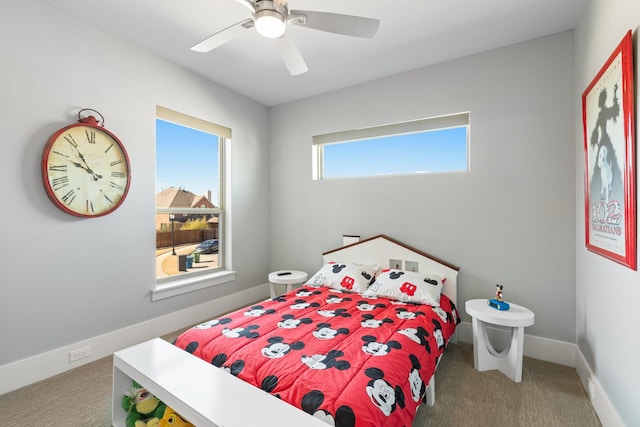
<point>174,197</point>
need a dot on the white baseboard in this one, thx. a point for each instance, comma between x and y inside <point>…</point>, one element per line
<point>607,413</point>
<point>562,353</point>
<point>41,366</point>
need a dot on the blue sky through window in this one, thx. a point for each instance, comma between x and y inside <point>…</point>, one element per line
<point>187,158</point>
<point>442,150</point>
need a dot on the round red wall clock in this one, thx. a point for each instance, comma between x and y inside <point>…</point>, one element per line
<point>85,168</point>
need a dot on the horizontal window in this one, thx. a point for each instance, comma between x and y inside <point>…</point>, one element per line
<point>438,144</point>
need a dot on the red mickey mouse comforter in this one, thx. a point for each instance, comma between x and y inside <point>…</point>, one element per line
<point>342,357</point>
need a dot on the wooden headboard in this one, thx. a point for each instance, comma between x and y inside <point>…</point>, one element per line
<point>386,252</point>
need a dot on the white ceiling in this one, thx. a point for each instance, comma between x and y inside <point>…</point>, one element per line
<point>412,34</point>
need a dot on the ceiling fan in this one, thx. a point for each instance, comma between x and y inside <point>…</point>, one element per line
<point>270,19</point>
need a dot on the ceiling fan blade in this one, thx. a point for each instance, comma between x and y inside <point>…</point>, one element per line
<point>347,25</point>
<point>249,4</point>
<point>279,3</point>
<point>291,56</point>
<point>223,36</point>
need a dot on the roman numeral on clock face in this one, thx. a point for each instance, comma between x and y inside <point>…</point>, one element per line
<point>69,197</point>
<point>91,136</point>
<point>61,182</point>
<point>58,168</point>
<point>70,140</point>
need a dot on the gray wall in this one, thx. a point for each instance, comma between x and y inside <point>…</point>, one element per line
<point>65,279</point>
<point>516,218</point>
<point>608,294</point>
<point>510,220</point>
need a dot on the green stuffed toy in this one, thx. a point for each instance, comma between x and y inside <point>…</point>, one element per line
<point>143,408</point>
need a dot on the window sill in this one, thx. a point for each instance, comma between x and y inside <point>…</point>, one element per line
<point>167,288</point>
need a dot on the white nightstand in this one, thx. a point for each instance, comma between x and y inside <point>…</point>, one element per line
<point>485,357</point>
<point>277,278</point>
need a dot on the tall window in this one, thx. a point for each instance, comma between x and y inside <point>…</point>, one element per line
<point>189,195</point>
<point>438,144</point>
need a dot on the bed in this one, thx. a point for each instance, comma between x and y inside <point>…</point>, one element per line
<point>356,345</point>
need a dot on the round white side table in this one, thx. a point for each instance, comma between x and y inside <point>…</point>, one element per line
<point>485,357</point>
<point>277,278</point>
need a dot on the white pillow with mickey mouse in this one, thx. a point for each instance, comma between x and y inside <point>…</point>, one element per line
<point>408,286</point>
<point>344,276</point>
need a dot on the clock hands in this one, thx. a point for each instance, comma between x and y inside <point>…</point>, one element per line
<point>88,169</point>
<point>74,144</point>
<point>86,166</point>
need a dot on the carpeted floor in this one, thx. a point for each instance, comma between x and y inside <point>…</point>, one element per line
<point>549,395</point>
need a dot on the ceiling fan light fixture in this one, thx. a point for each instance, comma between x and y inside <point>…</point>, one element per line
<point>270,23</point>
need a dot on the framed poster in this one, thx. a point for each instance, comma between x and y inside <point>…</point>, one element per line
<point>610,195</point>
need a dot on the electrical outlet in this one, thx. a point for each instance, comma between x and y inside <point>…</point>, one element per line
<point>411,266</point>
<point>395,263</point>
<point>79,353</point>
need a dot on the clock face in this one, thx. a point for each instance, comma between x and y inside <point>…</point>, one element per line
<point>85,170</point>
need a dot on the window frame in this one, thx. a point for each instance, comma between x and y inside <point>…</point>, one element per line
<point>410,127</point>
<point>170,286</point>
